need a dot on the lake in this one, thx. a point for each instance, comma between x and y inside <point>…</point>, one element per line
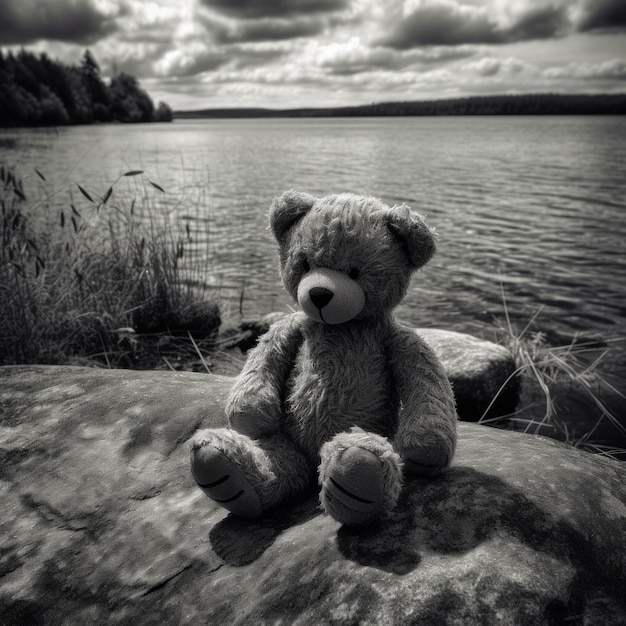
<point>530,207</point>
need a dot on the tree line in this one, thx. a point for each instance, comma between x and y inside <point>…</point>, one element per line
<point>38,91</point>
<point>530,104</point>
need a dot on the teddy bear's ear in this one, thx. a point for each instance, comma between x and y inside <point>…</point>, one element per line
<point>417,238</point>
<point>287,210</point>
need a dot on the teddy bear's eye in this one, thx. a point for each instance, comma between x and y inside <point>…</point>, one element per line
<point>353,273</point>
<point>306,267</point>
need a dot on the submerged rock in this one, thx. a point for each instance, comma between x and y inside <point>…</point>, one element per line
<point>102,523</point>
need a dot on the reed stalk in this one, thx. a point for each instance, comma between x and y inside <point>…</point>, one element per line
<point>112,277</point>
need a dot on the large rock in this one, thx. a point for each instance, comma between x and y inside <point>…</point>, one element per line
<point>101,523</point>
<point>481,372</point>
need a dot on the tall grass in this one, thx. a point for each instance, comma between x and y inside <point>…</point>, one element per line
<point>111,276</point>
<point>563,392</point>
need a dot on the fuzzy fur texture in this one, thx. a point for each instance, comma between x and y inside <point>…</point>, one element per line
<point>346,232</point>
<point>362,397</point>
<point>360,476</point>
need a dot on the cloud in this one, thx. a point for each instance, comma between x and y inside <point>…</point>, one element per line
<point>442,22</point>
<point>612,69</point>
<point>190,61</point>
<point>488,66</point>
<point>267,29</point>
<point>254,21</point>
<point>454,22</point>
<point>257,54</point>
<point>602,14</point>
<point>196,53</point>
<point>135,58</point>
<point>541,22</point>
<point>277,8</point>
<point>80,21</point>
<point>155,22</point>
<point>354,56</point>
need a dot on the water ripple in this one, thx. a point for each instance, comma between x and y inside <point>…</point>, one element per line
<point>531,206</point>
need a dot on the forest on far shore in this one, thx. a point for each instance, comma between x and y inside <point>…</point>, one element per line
<point>38,91</point>
<point>523,104</point>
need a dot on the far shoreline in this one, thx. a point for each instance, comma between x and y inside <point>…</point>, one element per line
<point>503,105</point>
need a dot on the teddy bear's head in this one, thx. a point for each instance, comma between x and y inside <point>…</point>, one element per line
<point>347,257</point>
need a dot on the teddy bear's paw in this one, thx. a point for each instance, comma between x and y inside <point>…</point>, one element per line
<point>253,411</point>
<point>253,422</point>
<point>426,461</point>
<point>353,487</point>
<point>223,481</point>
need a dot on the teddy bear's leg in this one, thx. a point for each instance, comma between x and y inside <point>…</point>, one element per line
<point>361,477</point>
<point>247,476</point>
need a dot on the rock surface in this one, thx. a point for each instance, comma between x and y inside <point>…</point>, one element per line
<point>479,370</point>
<point>102,524</point>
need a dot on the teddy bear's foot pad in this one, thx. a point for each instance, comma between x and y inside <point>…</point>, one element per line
<point>353,490</point>
<point>427,461</point>
<point>221,480</point>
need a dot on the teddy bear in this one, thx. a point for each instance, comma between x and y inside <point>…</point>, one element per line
<point>339,391</point>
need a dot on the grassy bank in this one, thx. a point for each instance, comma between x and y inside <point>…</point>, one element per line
<point>109,276</point>
<point>565,393</point>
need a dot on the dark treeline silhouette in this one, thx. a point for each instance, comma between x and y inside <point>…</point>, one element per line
<point>37,91</point>
<point>531,104</point>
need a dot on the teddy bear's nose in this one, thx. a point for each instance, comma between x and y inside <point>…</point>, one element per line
<point>320,296</point>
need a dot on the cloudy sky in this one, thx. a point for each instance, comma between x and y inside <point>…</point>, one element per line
<point>292,53</point>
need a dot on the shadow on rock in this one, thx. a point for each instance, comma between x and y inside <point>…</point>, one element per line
<point>240,541</point>
<point>460,510</point>
<point>452,514</point>
<point>388,545</point>
<point>463,508</point>
<point>384,546</point>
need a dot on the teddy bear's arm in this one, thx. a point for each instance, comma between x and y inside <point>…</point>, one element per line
<point>254,406</point>
<point>426,432</point>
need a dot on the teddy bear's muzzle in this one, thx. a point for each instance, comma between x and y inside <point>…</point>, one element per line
<point>330,296</point>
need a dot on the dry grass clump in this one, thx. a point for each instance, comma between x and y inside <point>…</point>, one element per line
<point>109,279</point>
<point>563,392</point>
